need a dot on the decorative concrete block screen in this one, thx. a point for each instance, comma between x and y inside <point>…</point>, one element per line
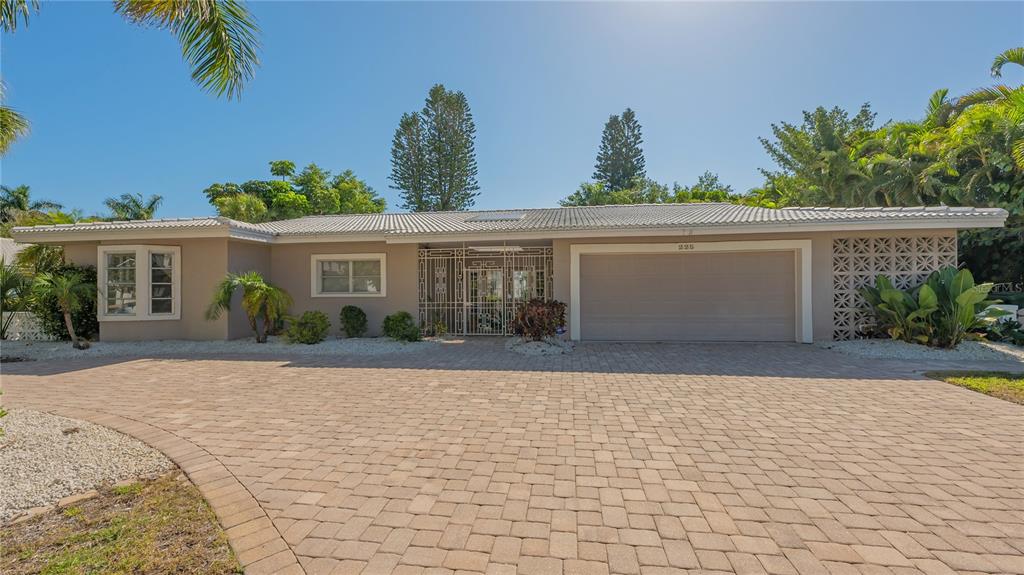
<point>857,261</point>
<point>24,326</point>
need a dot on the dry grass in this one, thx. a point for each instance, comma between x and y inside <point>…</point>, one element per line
<point>1008,386</point>
<point>155,526</point>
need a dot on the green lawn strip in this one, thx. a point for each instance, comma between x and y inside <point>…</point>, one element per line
<point>1004,385</point>
<point>156,526</point>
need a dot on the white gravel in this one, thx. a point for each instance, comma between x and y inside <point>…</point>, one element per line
<point>42,350</point>
<point>550,346</point>
<point>892,349</point>
<point>40,464</point>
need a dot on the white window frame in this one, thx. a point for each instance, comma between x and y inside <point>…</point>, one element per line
<point>314,273</point>
<point>143,277</point>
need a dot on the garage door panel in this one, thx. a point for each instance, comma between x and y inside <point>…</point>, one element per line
<point>688,297</point>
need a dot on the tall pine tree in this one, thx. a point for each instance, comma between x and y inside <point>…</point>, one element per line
<point>433,156</point>
<point>620,159</point>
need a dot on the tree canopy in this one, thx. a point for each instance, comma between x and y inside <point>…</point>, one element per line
<point>620,158</point>
<point>312,191</point>
<point>433,154</point>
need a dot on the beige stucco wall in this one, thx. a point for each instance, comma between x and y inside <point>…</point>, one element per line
<point>203,264</point>
<point>245,257</point>
<point>290,267</point>
<point>821,261</point>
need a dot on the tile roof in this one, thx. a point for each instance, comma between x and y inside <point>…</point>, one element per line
<point>621,217</point>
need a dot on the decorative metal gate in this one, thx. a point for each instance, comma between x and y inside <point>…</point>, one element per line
<point>476,291</point>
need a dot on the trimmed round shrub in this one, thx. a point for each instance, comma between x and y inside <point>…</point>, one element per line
<point>51,319</point>
<point>309,328</point>
<point>401,326</point>
<point>353,321</point>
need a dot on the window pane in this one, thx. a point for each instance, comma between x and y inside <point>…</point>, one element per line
<point>120,286</point>
<point>162,306</point>
<point>334,284</point>
<point>366,268</point>
<point>120,300</point>
<point>161,289</point>
<point>335,268</point>
<point>365,285</point>
<point>161,260</point>
<point>161,276</point>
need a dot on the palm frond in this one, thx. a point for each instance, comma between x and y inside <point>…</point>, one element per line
<point>1018,153</point>
<point>218,38</point>
<point>983,96</point>
<point>12,10</point>
<point>1011,56</point>
<point>12,127</point>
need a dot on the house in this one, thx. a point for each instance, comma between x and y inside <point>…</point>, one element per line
<point>675,272</point>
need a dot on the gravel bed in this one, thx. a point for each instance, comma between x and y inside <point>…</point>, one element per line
<point>42,460</point>
<point>550,346</point>
<point>40,350</point>
<point>892,349</point>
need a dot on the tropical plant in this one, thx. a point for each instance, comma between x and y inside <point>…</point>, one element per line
<point>264,304</point>
<point>241,207</point>
<point>353,321</point>
<point>12,124</point>
<point>290,205</point>
<point>939,313</point>
<point>218,40</point>
<point>433,156</point>
<point>133,206</point>
<point>48,312</point>
<point>538,319</point>
<point>38,258</point>
<point>14,292</point>
<point>401,326</point>
<point>620,157</point>
<point>309,328</point>
<point>902,315</point>
<point>1008,330</point>
<point>71,291</point>
<point>16,202</point>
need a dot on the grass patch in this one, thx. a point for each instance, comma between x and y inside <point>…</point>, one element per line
<point>155,526</point>
<point>1004,385</point>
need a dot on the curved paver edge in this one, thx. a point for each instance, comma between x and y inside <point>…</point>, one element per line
<point>258,545</point>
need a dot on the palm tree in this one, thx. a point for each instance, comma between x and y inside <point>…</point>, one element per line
<point>71,290</point>
<point>218,39</point>
<point>15,202</point>
<point>14,285</point>
<point>12,124</point>
<point>264,304</point>
<point>38,258</point>
<point>133,206</point>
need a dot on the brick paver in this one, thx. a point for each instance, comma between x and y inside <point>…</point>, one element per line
<point>631,459</point>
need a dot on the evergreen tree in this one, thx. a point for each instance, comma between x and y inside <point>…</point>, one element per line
<point>433,156</point>
<point>620,159</point>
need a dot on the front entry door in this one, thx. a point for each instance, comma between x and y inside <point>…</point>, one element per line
<point>485,301</point>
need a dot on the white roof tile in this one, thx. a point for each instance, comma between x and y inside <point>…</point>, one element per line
<point>624,217</point>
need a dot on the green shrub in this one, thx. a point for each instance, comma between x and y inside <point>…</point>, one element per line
<point>538,319</point>
<point>401,326</point>
<point>353,321</point>
<point>1009,331</point>
<point>938,313</point>
<point>309,328</point>
<point>51,319</point>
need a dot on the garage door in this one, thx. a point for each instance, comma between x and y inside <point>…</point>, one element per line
<point>746,296</point>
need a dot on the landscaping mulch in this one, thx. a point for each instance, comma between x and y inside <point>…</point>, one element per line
<point>161,525</point>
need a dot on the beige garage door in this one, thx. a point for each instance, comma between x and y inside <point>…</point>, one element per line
<point>748,296</point>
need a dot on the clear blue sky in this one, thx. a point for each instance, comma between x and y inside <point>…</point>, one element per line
<point>114,110</point>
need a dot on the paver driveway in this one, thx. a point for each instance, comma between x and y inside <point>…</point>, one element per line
<point>616,459</point>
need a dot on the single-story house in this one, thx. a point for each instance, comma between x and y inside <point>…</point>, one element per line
<point>672,272</point>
